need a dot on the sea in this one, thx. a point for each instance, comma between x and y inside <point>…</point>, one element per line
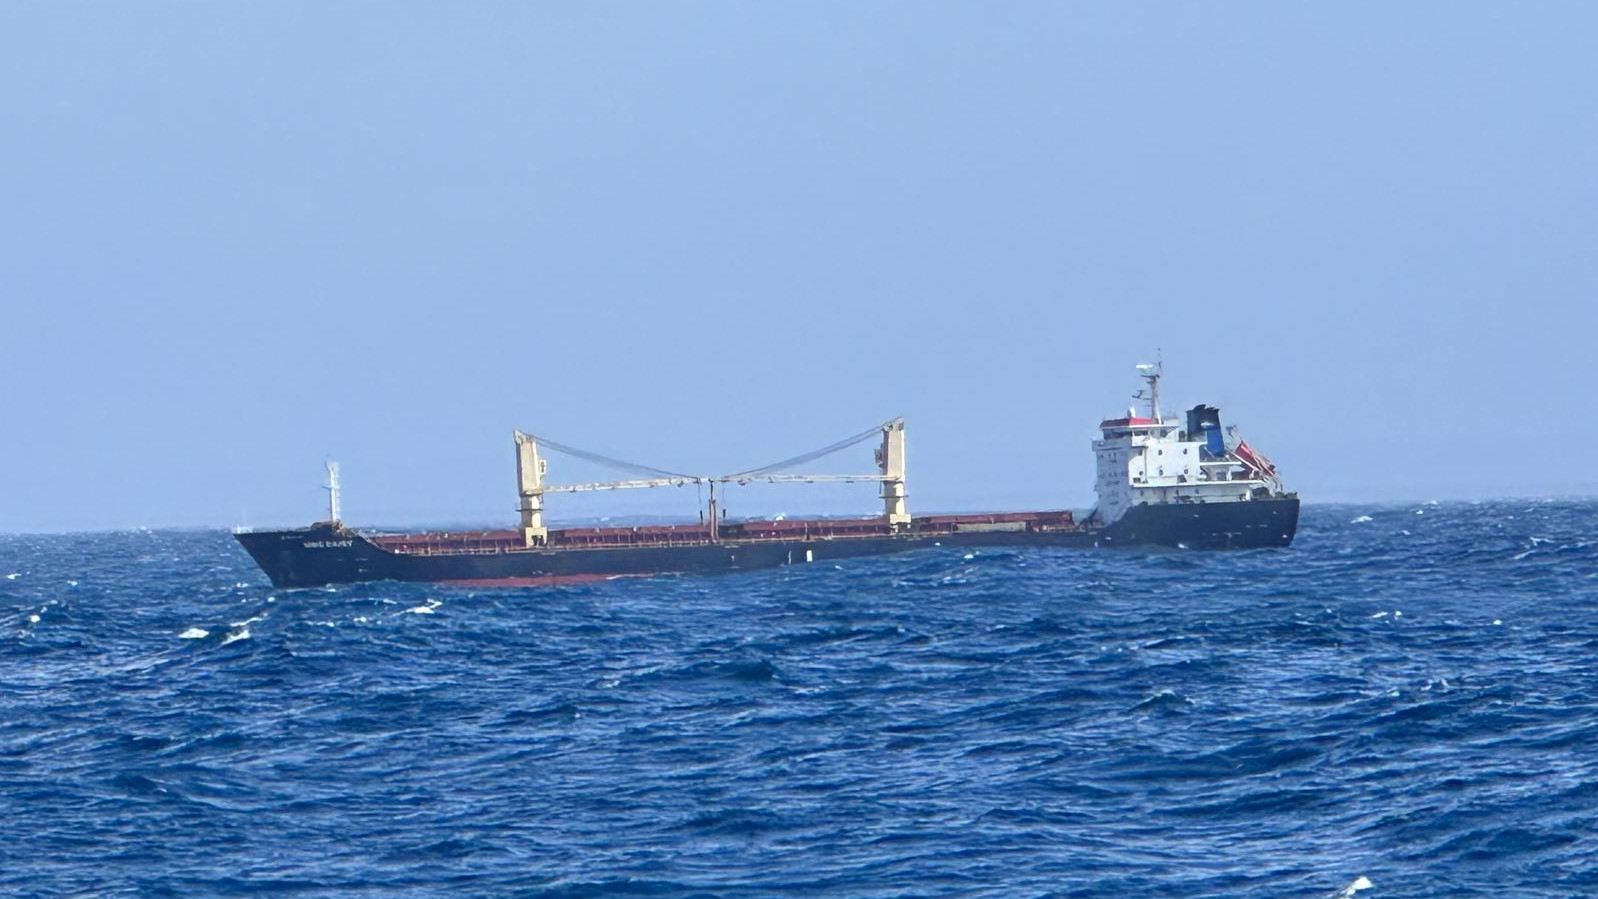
<point>1404,703</point>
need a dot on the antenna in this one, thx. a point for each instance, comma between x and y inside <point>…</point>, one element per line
<point>332,491</point>
<point>1152,372</point>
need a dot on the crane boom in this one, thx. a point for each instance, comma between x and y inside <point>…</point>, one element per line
<point>530,468</point>
<point>623,485</point>
<point>803,478</point>
<point>721,479</point>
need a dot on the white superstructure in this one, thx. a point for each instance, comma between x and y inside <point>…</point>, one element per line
<point>1148,460</point>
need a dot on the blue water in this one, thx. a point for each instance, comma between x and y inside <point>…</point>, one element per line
<point>1411,699</point>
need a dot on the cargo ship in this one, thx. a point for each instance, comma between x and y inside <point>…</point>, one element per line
<point>1163,482</point>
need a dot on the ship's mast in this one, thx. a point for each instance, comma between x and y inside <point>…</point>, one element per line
<point>1152,372</point>
<point>332,492</point>
<point>715,523</point>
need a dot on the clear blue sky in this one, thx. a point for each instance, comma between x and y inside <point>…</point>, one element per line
<point>239,237</point>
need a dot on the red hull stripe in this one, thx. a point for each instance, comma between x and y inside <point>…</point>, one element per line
<point>547,580</point>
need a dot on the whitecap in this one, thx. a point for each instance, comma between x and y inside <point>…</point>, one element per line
<point>13,575</point>
<point>34,618</point>
<point>1359,883</point>
<point>970,556</point>
<point>1162,698</point>
<point>1420,511</point>
<point>1379,615</point>
<point>422,610</point>
<point>249,621</point>
<point>1404,532</point>
<point>242,633</point>
<point>1361,520</point>
<point>72,583</point>
<point>194,633</point>
<point>1521,555</point>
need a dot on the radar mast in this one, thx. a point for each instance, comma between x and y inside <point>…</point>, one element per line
<point>332,492</point>
<point>1152,372</point>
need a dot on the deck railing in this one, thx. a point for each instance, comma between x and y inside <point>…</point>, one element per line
<point>620,538</point>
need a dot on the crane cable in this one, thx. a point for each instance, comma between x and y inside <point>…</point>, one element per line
<point>608,462</point>
<point>773,468</point>
<point>811,456</point>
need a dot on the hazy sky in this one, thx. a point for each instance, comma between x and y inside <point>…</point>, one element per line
<point>241,237</point>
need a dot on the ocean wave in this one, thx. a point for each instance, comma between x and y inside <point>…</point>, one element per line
<point>1395,706</point>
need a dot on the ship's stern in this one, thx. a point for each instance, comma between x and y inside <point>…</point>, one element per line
<point>1251,524</point>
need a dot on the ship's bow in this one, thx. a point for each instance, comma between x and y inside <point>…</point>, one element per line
<point>307,557</point>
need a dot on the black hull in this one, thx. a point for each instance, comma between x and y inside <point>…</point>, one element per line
<point>328,554</point>
<point>1245,525</point>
